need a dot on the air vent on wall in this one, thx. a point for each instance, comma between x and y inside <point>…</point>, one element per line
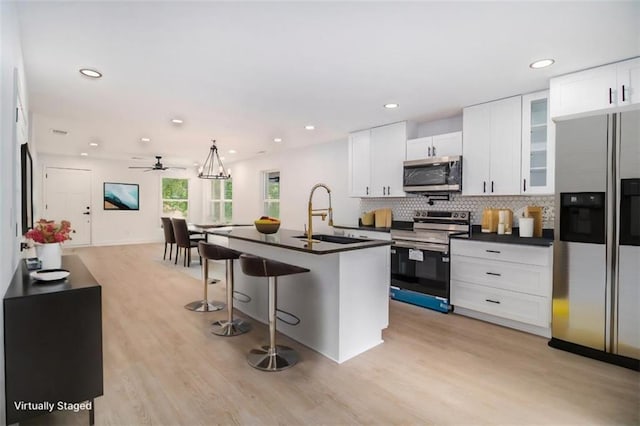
<point>59,132</point>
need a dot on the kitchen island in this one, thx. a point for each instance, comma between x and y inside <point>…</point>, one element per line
<point>342,303</point>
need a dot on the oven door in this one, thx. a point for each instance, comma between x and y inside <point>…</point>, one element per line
<point>423,268</point>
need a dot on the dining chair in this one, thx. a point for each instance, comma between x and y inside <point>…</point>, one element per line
<point>169,236</point>
<point>183,241</point>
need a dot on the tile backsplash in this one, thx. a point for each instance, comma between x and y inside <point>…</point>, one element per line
<point>403,208</point>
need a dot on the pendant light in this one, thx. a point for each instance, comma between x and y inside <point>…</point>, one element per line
<point>213,167</point>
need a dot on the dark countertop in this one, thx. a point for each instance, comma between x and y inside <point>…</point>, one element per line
<point>284,238</point>
<point>363,228</point>
<point>204,227</point>
<point>396,224</point>
<point>545,241</point>
<point>22,285</point>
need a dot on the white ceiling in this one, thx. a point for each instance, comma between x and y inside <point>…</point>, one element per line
<point>244,73</point>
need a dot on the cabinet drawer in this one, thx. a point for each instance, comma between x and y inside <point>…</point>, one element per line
<point>531,279</point>
<point>529,255</point>
<point>535,310</point>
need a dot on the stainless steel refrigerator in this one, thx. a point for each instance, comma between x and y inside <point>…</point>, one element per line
<point>596,281</point>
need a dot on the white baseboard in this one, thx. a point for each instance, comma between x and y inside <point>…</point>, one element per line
<point>533,329</point>
<point>124,243</point>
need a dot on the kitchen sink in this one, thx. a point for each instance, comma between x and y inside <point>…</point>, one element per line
<point>336,239</point>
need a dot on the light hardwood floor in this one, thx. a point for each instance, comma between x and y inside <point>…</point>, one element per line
<point>163,366</point>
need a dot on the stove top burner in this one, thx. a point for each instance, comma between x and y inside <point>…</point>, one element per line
<point>434,227</point>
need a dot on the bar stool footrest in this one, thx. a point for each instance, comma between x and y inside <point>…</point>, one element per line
<point>204,306</point>
<point>264,359</point>
<point>233,328</point>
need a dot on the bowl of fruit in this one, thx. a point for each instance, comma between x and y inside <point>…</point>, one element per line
<point>267,225</point>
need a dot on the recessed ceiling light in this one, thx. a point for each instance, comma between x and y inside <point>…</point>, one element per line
<point>232,151</point>
<point>177,121</point>
<point>94,144</point>
<point>309,127</point>
<point>542,63</point>
<point>278,140</point>
<point>84,154</point>
<point>391,106</point>
<point>145,139</point>
<point>196,164</point>
<point>88,72</point>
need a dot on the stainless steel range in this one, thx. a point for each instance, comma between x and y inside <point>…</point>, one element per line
<point>420,258</point>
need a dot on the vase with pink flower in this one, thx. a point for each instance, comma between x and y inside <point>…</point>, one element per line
<point>47,236</point>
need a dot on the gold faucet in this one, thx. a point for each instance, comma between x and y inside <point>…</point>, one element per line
<point>320,212</point>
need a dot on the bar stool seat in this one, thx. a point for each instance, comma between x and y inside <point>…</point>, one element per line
<point>208,252</point>
<point>270,357</point>
<point>230,326</point>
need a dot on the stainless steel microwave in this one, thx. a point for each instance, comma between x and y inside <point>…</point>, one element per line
<point>434,174</point>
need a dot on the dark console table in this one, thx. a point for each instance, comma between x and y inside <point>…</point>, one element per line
<point>52,342</point>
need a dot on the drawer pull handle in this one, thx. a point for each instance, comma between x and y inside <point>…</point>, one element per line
<point>492,251</point>
<point>494,274</point>
<point>492,301</point>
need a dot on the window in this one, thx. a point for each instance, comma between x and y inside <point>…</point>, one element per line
<point>221,201</point>
<point>175,197</point>
<point>272,194</point>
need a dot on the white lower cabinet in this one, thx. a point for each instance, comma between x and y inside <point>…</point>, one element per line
<point>508,284</point>
<point>502,303</point>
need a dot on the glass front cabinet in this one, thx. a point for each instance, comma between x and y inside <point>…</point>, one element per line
<point>538,145</point>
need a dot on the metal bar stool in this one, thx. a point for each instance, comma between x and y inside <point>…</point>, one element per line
<point>272,357</point>
<point>230,326</point>
<point>207,251</point>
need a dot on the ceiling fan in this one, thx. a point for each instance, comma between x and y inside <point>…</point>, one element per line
<point>157,166</point>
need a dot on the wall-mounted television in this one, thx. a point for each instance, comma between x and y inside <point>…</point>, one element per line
<point>27,188</point>
<point>121,196</point>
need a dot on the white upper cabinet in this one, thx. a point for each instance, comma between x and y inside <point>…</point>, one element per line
<point>375,160</point>
<point>419,148</point>
<point>387,154</point>
<point>491,149</point>
<point>360,163</point>
<point>628,74</point>
<point>601,89</point>
<point>445,145</point>
<point>538,145</point>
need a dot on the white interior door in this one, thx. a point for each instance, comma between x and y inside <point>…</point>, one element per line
<point>67,196</point>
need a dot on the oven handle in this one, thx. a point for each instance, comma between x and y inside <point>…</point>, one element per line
<point>422,246</point>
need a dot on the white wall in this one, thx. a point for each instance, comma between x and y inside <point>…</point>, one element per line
<point>439,127</point>
<point>123,227</point>
<point>11,77</point>
<point>300,169</point>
